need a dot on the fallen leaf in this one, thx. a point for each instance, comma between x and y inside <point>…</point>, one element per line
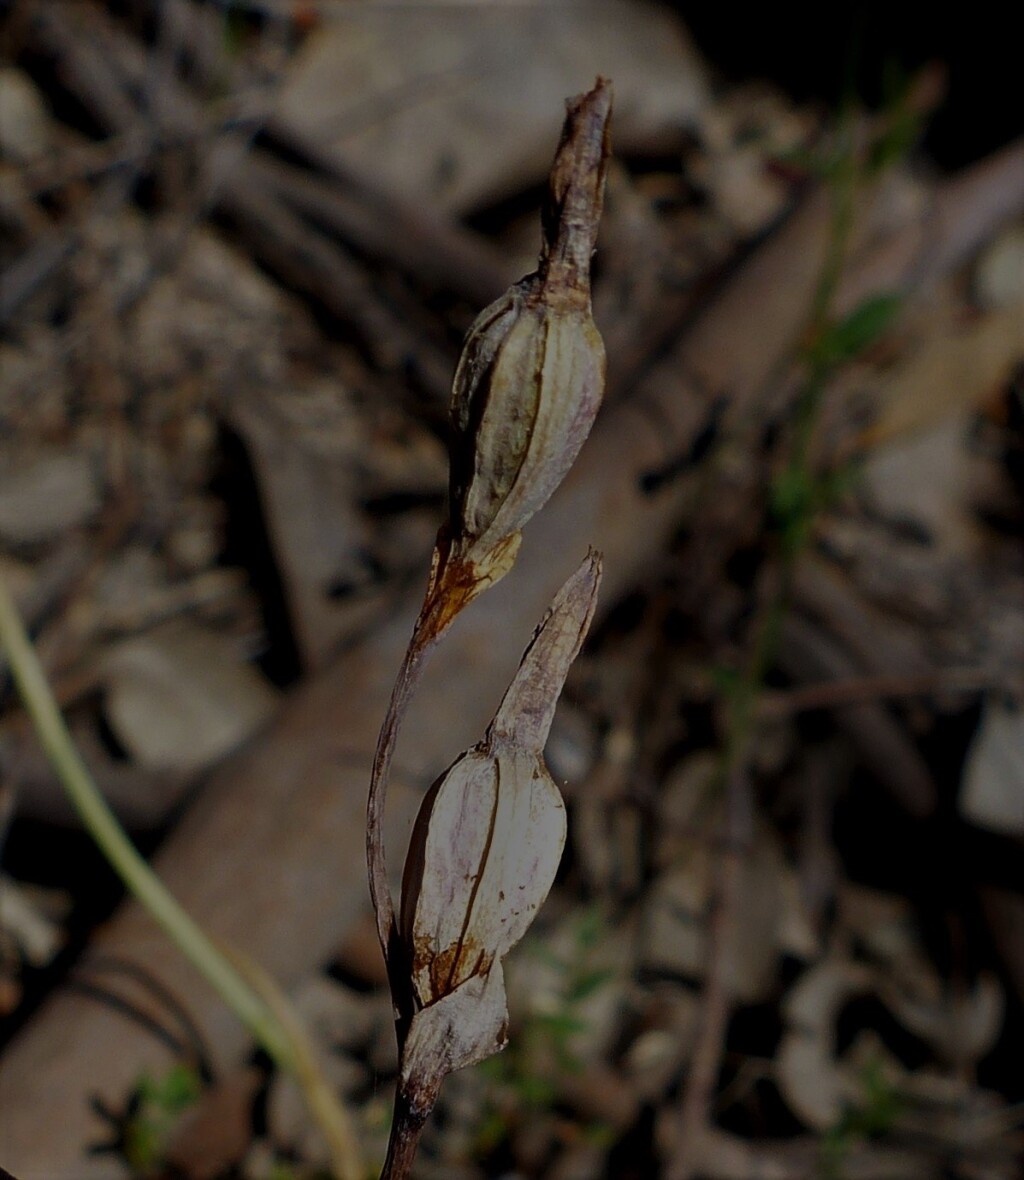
<point>952,369</point>
<point>455,110</point>
<point>25,128</point>
<point>999,272</point>
<point>960,1027</point>
<point>808,1074</point>
<point>42,495</point>
<point>180,696</point>
<point>992,788</point>
<point>38,936</point>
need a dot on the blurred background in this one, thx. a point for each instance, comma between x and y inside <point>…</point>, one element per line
<point>241,243</point>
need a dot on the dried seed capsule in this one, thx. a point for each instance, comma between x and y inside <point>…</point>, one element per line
<point>485,850</point>
<point>531,377</point>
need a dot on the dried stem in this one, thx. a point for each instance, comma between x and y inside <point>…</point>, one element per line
<point>856,690</point>
<point>405,685</point>
<point>572,209</point>
<point>450,588</point>
<point>406,1127</point>
<point>406,1130</point>
<point>715,1002</point>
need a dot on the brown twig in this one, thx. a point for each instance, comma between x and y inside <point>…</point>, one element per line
<point>856,690</point>
<point>314,264</point>
<point>104,66</point>
<point>808,653</point>
<point>406,1131</point>
<point>715,1000</point>
<point>427,248</point>
<point>406,682</point>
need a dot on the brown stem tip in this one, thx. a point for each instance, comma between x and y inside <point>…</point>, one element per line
<point>572,210</point>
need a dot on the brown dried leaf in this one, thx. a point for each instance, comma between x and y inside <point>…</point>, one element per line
<point>807,1070</point>
<point>992,791</point>
<point>182,695</point>
<point>452,113</point>
<point>961,1027</point>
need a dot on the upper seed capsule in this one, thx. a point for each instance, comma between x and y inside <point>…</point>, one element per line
<point>531,376</point>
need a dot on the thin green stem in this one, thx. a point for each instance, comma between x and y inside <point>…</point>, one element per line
<point>102,825</point>
<point>843,187</point>
<point>741,718</point>
<point>285,1045</point>
<point>808,406</point>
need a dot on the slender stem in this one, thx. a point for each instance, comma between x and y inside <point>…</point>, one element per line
<point>716,1004</point>
<point>856,690</point>
<point>376,861</point>
<point>284,1045</point>
<point>406,1130</point>
<point>843,191</point>
<point>104,828</point>
<point>453,584</point>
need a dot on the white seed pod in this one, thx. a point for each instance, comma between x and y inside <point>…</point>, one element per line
<point>492,838</point>
<point>489,837</point>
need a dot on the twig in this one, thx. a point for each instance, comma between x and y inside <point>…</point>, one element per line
<point>881,743</point>
<point>856,690</point>
<point>715,1000</point>
<point>406,1131</point>
<point>306,258</point>
<point>429,249</point>
<point>380,893</point>
<point>318,266</point>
